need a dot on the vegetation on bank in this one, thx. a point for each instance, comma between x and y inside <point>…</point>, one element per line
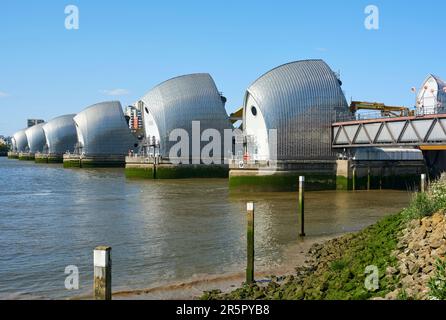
<point>337,269</point>
<point>437,284</point>
<point>3,148</point>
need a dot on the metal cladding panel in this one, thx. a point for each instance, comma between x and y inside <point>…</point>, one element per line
<point>441,95</point>
<point>410,135</point>
<point>362,136</point>
<point>342,137</point>
<point>372,129</point>
<point>36,138</point>
<point>60,134</point>
<point>21,141</point>
<point>388,154</point>
<point>177,102</point>
<point>301,100</point>
<point>396,128</point>
<point>104,130</point>
<point>385,136</point>
<point>437,133</point>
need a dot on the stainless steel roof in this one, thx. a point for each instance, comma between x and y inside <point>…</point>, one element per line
<point>300,99</point>
<point>441,94</point>
<point>103,130</point>
<point>21,141</point>
<point>60,134</point>
<point>13,144</point>
<point>177,102</point>
<point>36,138</point>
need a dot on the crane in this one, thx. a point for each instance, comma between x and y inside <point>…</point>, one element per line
<point>386,111</point>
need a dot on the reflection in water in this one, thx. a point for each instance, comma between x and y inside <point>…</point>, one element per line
<point>160,231</point>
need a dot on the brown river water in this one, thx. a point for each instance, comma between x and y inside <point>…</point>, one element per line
<point>161,232</point>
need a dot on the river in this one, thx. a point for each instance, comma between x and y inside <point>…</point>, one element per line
<point>160,231</point>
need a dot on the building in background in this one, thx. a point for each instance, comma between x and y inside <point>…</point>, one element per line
<point>5,146</point>
<point>36,141</point>
<point>177,105</point>
<point>431,98</point>
<point>33,122</point>
<point>103,135</point>
<point>19,144</point>
<point>6,140</point>
<point>134,117</point>
<point>61,138</point>
<point>300,100</point>
<point>287,116</point>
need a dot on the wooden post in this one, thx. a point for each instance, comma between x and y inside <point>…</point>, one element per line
<point>354,179</point>
<point>250,244</point>
<point>381,179</point>
<point>368,179</point>
<point>423,183</point>
<point>102,273</point>
<point>302,205</point>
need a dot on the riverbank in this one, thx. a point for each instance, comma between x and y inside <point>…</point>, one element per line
<point>157,240</point>
<point>194,287</point>
<point>406,250</point>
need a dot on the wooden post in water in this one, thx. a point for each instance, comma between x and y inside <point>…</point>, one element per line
<point>250,243</point>
<point>102,273</point>
<point>302,205</point>
<point>354,179</point>
<point>368,179</point>
<point>423,183</point>
<point>381,179</point>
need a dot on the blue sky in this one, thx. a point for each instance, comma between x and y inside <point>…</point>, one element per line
<point>47,71</point>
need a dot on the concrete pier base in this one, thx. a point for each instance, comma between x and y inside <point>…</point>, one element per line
<point>41,158</point>
<point>282,176</point>
<point>94,161</point>
<point>48,158</point>
<point>13,155</point>
<point>375,175</point>
<point>146,168</point>
<point>325,175</point>
<point>26,156</point>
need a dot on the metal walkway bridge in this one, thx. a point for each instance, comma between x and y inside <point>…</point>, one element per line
<point>426,132</point>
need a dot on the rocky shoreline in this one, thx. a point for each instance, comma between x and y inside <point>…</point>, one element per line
<point>407,252</point>
<point>422,244</point>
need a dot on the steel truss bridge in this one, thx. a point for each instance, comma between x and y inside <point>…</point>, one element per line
<point>425,132</point>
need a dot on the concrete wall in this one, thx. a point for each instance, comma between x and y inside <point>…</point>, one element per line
<point>326,175</point>
<point>436,162</point>
<point>363,175</point>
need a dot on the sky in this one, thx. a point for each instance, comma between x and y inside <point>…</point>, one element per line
<point>122,49</point>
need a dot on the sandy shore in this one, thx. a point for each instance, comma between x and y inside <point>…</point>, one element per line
<point>295,255</point>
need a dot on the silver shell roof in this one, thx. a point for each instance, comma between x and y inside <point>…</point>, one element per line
<point>441,94</point>
<point>13,144</point>
<point>300,99</point>
<point>103,130</point>
<point>177,102</point>
<point>21,141</point>
<point>60,134</point>
<point>36,138</point>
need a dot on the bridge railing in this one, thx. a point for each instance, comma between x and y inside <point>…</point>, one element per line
<point>403,131</point>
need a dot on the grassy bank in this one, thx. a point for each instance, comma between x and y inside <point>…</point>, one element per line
<point>336,270</point>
